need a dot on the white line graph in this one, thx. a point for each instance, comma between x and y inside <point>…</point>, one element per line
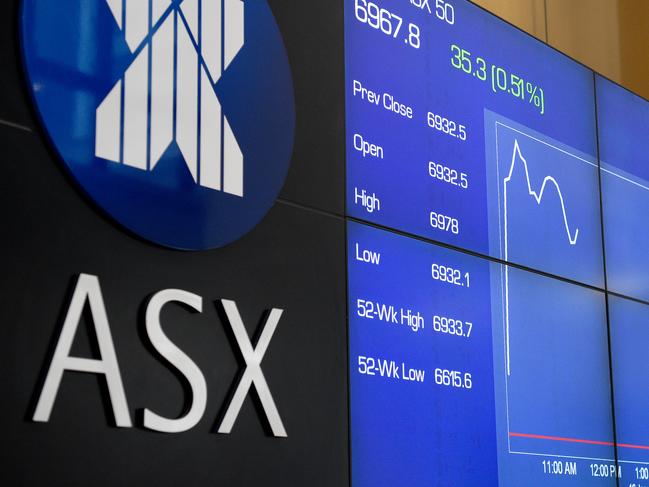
<point>542,162</point>
<point>538,197</point>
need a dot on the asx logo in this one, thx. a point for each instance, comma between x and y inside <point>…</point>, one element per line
<point>176,117</point>
<point>88,295</point>
<point>167,93</point>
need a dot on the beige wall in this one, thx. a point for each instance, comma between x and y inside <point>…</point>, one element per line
<point>610,36</point>
<point>529,15</point>
<point>634,45</point>
<point>588,31</point>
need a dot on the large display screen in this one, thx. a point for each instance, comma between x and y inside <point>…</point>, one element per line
<point>498,256</point>
<point>469,132</point>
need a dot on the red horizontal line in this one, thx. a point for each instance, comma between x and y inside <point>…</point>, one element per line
<point>560,438</point>
<point>578,440</point>
<point>637,447</point>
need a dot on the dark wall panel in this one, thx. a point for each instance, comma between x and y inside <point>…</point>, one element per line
<point>14,106</point>
<point>313,34</point>
<point>293,260</point>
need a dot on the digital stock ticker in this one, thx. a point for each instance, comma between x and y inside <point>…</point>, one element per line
<point>497,265</point>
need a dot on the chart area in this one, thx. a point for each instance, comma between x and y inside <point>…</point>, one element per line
<point>554,416</point>
<point>543,202</point>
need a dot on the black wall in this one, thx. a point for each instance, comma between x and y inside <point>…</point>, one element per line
<point>294,260</point>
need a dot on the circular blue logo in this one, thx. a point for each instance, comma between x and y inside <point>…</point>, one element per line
<point>176,117</point>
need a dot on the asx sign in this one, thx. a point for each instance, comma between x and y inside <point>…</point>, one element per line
<point>87,293</point>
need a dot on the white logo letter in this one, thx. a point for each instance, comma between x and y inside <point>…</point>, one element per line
<point>178,359</point>
<point>87,289</point>
<point>253,373</point>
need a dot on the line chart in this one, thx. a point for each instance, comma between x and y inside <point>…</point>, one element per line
<point>538,197</point>
<point>543,204</point>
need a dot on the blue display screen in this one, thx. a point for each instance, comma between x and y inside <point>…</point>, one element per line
<point>464,130</point>
<point>498,259</point>
<point>408,428</point>
<point>629,338</point>
<point>450,378</point>
<point>623,121</point>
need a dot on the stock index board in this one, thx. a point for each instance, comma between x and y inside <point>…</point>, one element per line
<point>464,130</point>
